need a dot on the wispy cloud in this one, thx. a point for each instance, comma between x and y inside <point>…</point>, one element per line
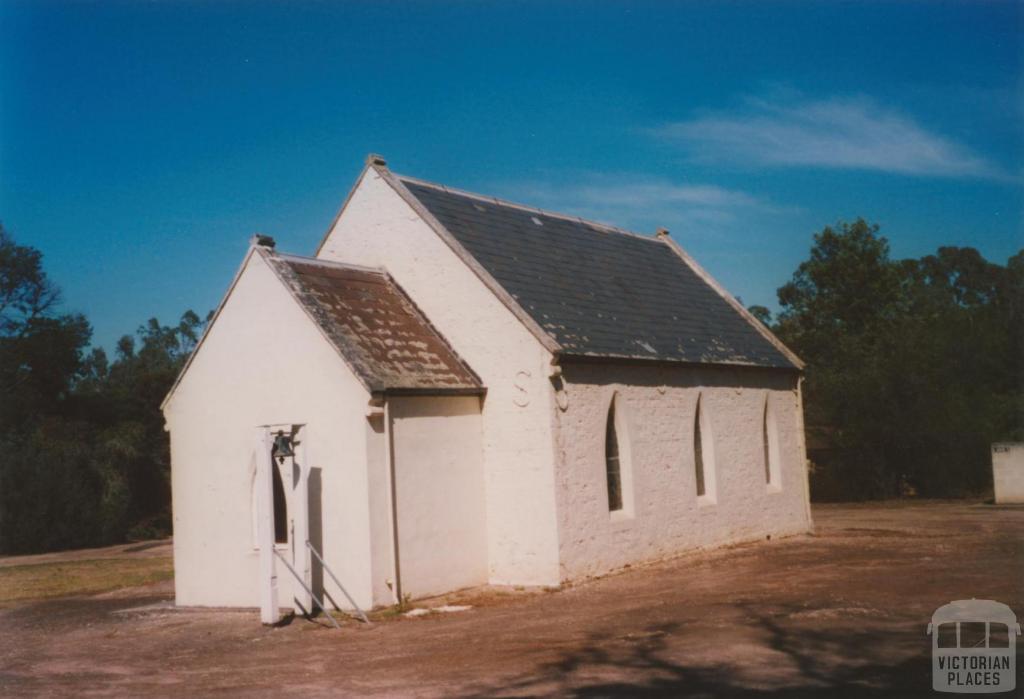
<point>850,133</point>
<point>642,203</point>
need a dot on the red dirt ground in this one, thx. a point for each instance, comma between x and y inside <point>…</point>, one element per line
<point>841,613</point>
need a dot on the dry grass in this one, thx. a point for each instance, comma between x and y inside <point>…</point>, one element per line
<point>839,614</point>
<point>21,583</point>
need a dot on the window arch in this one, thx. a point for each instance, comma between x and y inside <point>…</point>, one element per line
<point>703,453</point>
<point>698,452</point>
<point>770,447</point>
<point>618,468</point>
<point>612,467</point>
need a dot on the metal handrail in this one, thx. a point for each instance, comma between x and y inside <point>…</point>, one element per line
<point>306,588</point>
<point>337,582</point>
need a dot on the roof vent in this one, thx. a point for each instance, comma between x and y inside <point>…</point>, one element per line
<point>661,233</point>
<point>376,159</point>
<point>262,241</point>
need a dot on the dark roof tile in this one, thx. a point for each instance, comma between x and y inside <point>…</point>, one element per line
<point>597,291</point>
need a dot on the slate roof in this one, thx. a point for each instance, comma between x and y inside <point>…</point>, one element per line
<point>384,338</point>
<point>598,291</point>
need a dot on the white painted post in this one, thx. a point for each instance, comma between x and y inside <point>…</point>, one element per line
<point>300,521</point>
<point>270,612</point>
<point>802,450</point>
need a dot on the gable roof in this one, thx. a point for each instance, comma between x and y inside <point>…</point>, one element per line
<point>380,333</point>
<point>594,290</point>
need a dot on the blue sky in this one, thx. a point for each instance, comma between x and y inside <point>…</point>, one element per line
<point>141,144</point>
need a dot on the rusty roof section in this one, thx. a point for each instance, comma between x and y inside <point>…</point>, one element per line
<point>383,337</point>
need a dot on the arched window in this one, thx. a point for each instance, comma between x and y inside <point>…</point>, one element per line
<point>698,451</point>
<point>618,466</point>
<point>613,469</point>
<point>770,446</point>
<point>764,444</point>
<point>280,508</point>
<point>703,453</point>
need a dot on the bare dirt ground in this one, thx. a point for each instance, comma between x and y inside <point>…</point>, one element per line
<point>841,613</point>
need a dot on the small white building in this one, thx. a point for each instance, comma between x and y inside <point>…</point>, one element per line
<point>458,390</point>
<point>1008,472</point>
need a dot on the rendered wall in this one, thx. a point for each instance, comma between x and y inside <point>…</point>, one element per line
<point>378,474</point>
<point>1008,472</point>
<point>439,484</point>
<point>263,362</point>
<point>378,228</point>
<point>657,406</point>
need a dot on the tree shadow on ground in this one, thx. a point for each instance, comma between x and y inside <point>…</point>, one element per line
<point>838,661</point>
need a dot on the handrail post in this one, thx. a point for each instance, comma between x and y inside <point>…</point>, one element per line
<point>337,582</point>
<point>306,588</point>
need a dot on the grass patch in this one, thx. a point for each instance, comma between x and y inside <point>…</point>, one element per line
<point>60,579</point>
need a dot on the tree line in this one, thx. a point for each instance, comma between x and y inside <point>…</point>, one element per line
<point>913,368</point>
<point>84,459</point>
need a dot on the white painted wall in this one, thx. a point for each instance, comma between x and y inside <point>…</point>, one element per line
<point>513,492</point>
<point>378,473</point>
<point>1008,472</point>
<point>263,362</point>
<point>439,484</point>
<point>658,406</point>
<point>378,228</point>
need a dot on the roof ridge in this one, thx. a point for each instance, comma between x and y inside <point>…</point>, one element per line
<point>320,262</point>
<point>525,207</point>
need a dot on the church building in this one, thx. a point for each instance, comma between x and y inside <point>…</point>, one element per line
<point>456,390</point>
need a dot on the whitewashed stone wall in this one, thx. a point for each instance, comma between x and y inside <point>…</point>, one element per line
<point>378,228</point>
<point>546,501</point>
<point>657,408</point>
<point>1008,472</point>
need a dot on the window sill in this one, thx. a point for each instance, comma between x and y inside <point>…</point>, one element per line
<point>620,515</point>
<point>773,488</point>
<point>706,500</point>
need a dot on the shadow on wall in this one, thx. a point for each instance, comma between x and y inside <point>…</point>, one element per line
<point>838,661</point>
<point>316,529</point>
<point>677,376</point>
